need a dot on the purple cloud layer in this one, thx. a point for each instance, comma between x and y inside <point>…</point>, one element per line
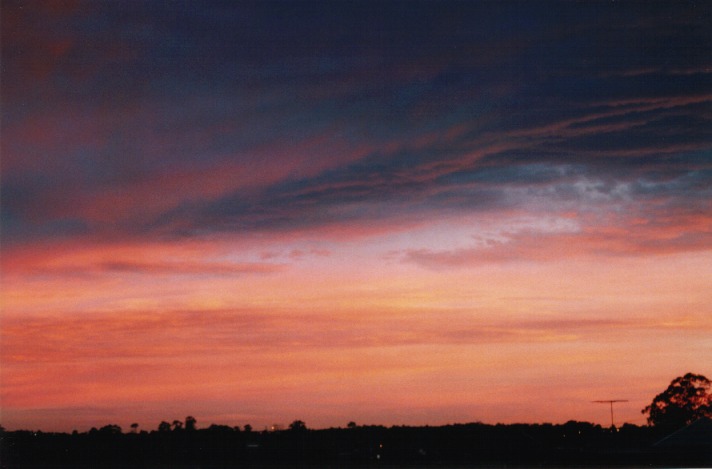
<point>133,121</point>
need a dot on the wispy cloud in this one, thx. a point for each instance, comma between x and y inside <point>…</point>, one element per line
<point>635,234</point>
<point>146,336</point>
<point>168,268</point>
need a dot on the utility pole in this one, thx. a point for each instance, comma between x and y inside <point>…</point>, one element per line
<point>611,401</point>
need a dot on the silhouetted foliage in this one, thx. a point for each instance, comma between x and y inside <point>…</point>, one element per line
<point>297,426</point>
<point>686,399</point>
<point>460,445</point>
<point>222,428</point>
<point>164,426</point>
<point>190,423</point>
<point>110,429</point>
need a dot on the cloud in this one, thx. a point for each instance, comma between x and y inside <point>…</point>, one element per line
<point>158,336</point>
<point>638,238</point>
<point>167,268</point>
<point>161,131</point>
<point>145,130</point>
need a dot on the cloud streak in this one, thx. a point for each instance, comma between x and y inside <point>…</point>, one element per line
<point>150,336</point>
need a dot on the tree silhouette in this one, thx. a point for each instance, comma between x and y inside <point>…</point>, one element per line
<point>134,427</point>
<point>190,423</point>
<point>177,425</point>
<point>687,399</point>
<point>110,429</point>
<point>164,426</point>
<point>298,425</point>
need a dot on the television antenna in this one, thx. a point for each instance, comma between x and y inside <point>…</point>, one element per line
<point>610,401</point>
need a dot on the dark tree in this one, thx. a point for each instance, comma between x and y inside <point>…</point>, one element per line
<point>190,423</point>
<point>110,429</point>
<point>298,425</point>
<point>687,399</point>
<point>164,426</point>
<point>248,428</point>
<point>134,427</point>
<point>177,425</point>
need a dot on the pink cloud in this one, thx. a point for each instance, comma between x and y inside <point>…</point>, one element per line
<point>581,125</point>
<point>124,361</point>
<point>652,234</point>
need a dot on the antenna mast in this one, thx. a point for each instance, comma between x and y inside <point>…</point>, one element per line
<point>611,401</point>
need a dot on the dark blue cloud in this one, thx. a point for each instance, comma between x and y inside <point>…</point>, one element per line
<point>435,106</point>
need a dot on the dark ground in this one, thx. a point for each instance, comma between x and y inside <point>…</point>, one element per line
<point>451,446</point>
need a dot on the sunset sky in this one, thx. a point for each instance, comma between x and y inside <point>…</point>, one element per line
<point>396,212</point>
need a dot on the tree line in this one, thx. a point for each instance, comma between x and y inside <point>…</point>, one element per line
<point>685,406</point>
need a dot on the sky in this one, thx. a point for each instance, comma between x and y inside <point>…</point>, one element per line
<point>386,212</point>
